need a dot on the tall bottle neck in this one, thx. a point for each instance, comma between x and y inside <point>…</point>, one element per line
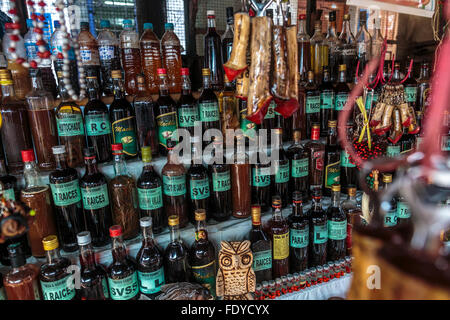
<point>118,89</point>
<point>120,166</point>
<point>92,90</point>
<point>302,27</point>
<point>87,257</point>
<point>297,208</point>
<point>52,255</point>
<point>63,92</point>
<point>61,161</point>
<point>346,31</point>
<point>317,206</point>
<point>147,235</point>
<point>36,83</point>
<point>118,248</point>
<point>91,165</point>
<point>163,85</point>
<point>332,29</point>
<point>211,23</point>
<point>2,168</point>
<point>332,136</point>
<point>342,77</point>
<point>186,86</point>
<point>424,72</point>
<point>174,233</point>
<point>200,231</point>
<point>336,198</point>
<point>31,174</point>
<point>206,82</point>
<point>7,90</point>
<point>277,213</point>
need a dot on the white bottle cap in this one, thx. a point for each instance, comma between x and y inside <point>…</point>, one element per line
<point>210,13</point>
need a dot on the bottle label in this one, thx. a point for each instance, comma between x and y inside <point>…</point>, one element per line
<point>151,282</point>
<point>341,100</point>
<point>371,98</point>
<point>270,111</point>
<point>199,189</point>
<point>95,197</point>
<point>174,186</point>
<point>66,194</point>
<point>281,172</point>
<point>392,151</point>
<point>206,276</point>
<point>332,174</point>
<point>318,157</point>
<point>261,177</point>
<point>327,100</point>
<point>31,50</point>
<point>89,57</point>
<point>69,124</point>
<point>281,246</point>
<point>403,210</point>
<point>123,131</point>
<point>221,181</point>
<point>313,104</point>
<point>390,219</point>
<point>124,289</point>
<point>8,194</point>
<point>299,238</point>
<point>167,124</point>
<point>320,234</point>
<point>337,230</point>
<point>262,260</point>
<point>188,116</point>
<point>58,290</point>
<point>411,94</point>
<point>150,199</point>
<point>299,168</point>
<point>105,288</point>
<point>97,124</point>
<point>106,53</point>
<point>58,49</point>
<point>208,111</point>
<point>345,160</point>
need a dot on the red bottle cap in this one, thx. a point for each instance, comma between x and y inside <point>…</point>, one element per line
<point>302,17</point>
<point>184,71</point>
<point>161,71</point>
<point>115,231</point>
<point>28,155</point>
<point>116,147</point>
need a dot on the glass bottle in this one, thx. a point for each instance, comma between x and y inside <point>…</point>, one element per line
<point>7,183</point>
<point>2,290</point>
<point>89,53</point>
<point>174,187</point>
<point>37,196</point>
<point>353,212</point>
<point>171,55</point>
<point>108,48</point>
<point>312,103</point>
<point>349,172</point>
<point>123,118</point>
<point>390,218</point>
<point>144,106</point>
<point>208,105</point>
<point>304,47</point>
<point>319,51</point>
<point>337,226</point>
<point>342,91</point>
<point>130,56</point>
<point>316,154</point>
<point>280,176</point>
<point>363,43</point>
<point>332,43</point>
<point>187,108</point>
<point>332,159</point>
<point>42,121</point>
<point>377,39</point>
<point>202,255</point>
<point>93,276</point>
<point>261,193</point>
<point>124,197</point>
<point>298,235</point>
<point>228,107</point>
<point>98,127</point>
<point>67,200</point>
<point>54,276</point>
<point>14,131</point>
<point>166,115</point>
<point>122,272</point>
<point>228,36</point>
<point>176,267</point>
<point>241,181</point>
<point>70,125</point>
<point>150,262</point>
<point>261,246</point>
<point>326,101</point>
<point>299,167</point>
<point>423,88</point>
<point>96,207</point>
<point>347,48</point>
<point>279,232</point>
<point>213,52</point>
<point>21,282</point>
<point>318,231</point>
<point>149,186</point>
<point>410,86</point>
<point>150,57</point>
<point>405,224</point>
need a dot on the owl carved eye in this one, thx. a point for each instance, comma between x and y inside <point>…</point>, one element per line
<point>246,259</point>
<point>226,261</point>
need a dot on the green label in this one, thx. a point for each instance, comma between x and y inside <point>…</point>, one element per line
<point>187,116</point>
<point>209,111</point>
<point>332,174</point>
<point>370,99</point>
<point>174,185</point>
<point>261,177</point>
<point>299,238</point>
<point>341,100</point>
<point>150,199</point>
<point>392,151</point>
<point>248,128</point>
<point>221,181</point>
<point>8,194</point>
<point>206,276</point>
<point>105,288</point>
<point>151,282</point>
<point>411,94</point>
<point>299,168</point>
<point>345,160</point>
<point>337,230</point>
<point>199,189</point>
<point>270,111</point>
<point>390,219</point>
<point>312,104</point>
<point>97,124</point>
<point>327,100</point>
<point>70,124</point>
<point>320,234</point>
<point>65,194</point>
<point>262,260</point>
<point>124,132</point>
<point>403,210</point>
<point>57,290</point>
<point>281,172</point>
<point>124,289</point>
<point>95,197</point>
<point>167,124</point>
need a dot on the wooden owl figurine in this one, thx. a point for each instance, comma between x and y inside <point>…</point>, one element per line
<point>235,278</point>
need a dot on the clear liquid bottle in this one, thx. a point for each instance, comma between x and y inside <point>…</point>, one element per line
<point>108,49</point>
<point>213,53</point>
<point>377,39</point>
<point>89,53</point>
<point>171,54</point>
<point>304,47</point>
<point>228,36</point>
<point>347,48</point>
<point>363,43</point>
<point>130,56</point>
<point>319,51</point>
<point>332,43</point>
<point>151,57</point>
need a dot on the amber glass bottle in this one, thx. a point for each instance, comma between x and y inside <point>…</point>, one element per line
<point>241,181</point>
<point>279,232</point>
<point>150,57</point>
<point>298,235</point>
<point>316,152</point>
<point>261,246</point>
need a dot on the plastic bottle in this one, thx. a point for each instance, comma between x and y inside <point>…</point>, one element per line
<point>89,51</point>
<point>151,57</point>
<point>108,49</point>
<point>130,56</point>
<point>171,53</point>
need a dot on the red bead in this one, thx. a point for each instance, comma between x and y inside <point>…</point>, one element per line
<point>41,3</point>
<point>8,25</point>
<point>60,55</point>
<point>34,16</point>
<point>12,49</point>
<point>20,60</point>
<point>38,30</point>
<point>40,43</point>
<point>14,37</point>
<point>30,3</point>
<point>44,55</point>
<point>15,25</point>
<point>12,11</point>
<point>41,18</point>
<point>33,64</point>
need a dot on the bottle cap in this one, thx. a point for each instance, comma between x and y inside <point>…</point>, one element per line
<point>116,147</point>
<point>387,177</point>
<point>146,153</point>
<point>342,67</point>
<point>5,77</point>
<point>315,126</point>
<point>168,26</point>
<point>210,13</point>
<point>84,238</point>
<point>59,149</point>
<point>297,196</point>
<point>302,17</point>
<point>174,221</point>
<point>310,75</point>
<point>206,72</point>
<point>278,131</point>
<point>115,231</point>
<point>332,123</point>
<point>28,155</point>
<point>56,24</point>
<point>148,25</point>
<point>105,24</point>
<point>50,242</point>
<point>162,71</point>
<point>351,191</point>
<point>336,187</point>
<point>276,201</point>
<point>346,17</point>
<point>200,214</point>
<point>256,210</point>
<point>29,23</point>
<point>332,16</point>
<point>297,136</point>
<point>89,153</point>
<point>140,79</point>
<point>184,71</point>
<point>127,22</point>
<point>317,193</point>
<point>16,256</point>
<point>145,222</point>
<point>116,74</point>
<point>84,25</point>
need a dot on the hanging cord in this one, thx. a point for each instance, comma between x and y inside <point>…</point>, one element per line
<point>409,71</point>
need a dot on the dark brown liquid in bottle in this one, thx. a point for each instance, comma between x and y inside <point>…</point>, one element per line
<point>299,238</point>
<point>45,136</point>
<point>279,232</point>
<point>93,278</point>
<point>199,189</point>
<point>337,231</point>
<point>166,119</point>
<point>221,193</point>
<point>261,246</point>
<point>241,189</point>
<point>52,272</point>
<point>299,169</point>
<point>318,234</point>
<point>176,267</point>
<point>213,55</point>
<point>123,266</point>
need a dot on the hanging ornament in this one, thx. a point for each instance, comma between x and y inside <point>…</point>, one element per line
<point>14,36</point>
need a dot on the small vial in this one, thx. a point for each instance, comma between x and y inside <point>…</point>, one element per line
<point>272,289</point>
<point>296,286</point>
<point>308,278</point>
<point>290,283</point>
<point>326,273</point>
<point>319,274</point>
<point>265,290</point>
<point>342,267</point>
<point>331,267</point>
<point>302,280</point>
<point>348,264</point>
<point>313,276</point>
<point>278,287</point>
<point>337,271</point>
<point>284,285</point>
<point>258,292</point>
